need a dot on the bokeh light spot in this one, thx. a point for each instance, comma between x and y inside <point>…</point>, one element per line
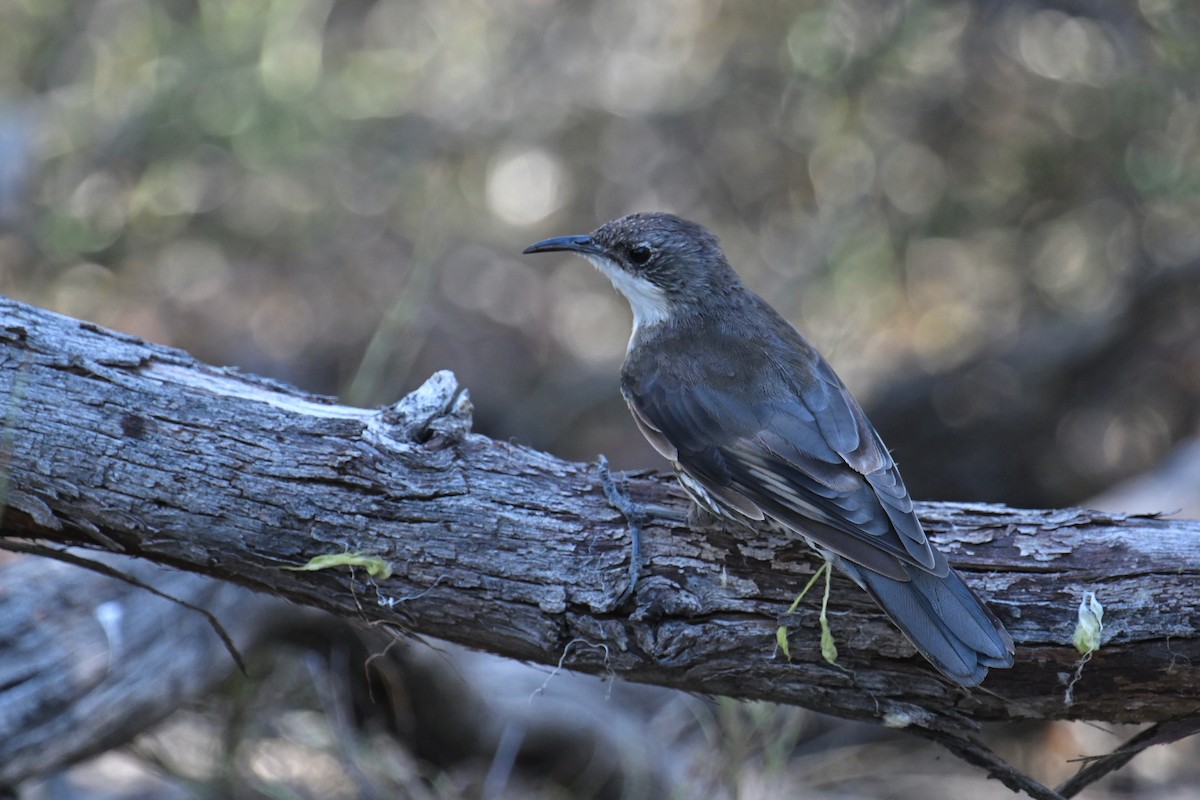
<point>193,270</point>
<point>525,187</point>
<point>282,325</point>
<point>842,170</point>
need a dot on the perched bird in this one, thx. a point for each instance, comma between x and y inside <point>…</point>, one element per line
<point>759,428</point>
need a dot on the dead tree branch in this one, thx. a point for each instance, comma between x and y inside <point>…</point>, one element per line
<point>89,662</point>
<point>110,442</point>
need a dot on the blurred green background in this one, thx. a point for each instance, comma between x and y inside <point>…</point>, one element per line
<point>984,214</point>
<point>963,204</point>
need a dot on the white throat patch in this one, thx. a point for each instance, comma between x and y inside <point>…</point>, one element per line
<point>649,303</point>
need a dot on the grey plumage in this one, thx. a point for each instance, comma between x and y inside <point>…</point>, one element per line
<point>759,425</point>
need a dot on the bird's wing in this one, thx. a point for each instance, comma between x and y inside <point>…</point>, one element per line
<point>806,456</point>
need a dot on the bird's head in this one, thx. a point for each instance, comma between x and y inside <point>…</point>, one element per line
<point>663,265</point>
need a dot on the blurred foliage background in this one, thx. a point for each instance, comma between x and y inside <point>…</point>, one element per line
<point>335,193</point>
<point>984,213</point>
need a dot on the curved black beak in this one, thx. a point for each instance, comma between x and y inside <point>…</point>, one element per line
<point>577,244</point>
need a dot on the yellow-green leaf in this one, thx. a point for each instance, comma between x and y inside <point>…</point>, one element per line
<point>375,566</point>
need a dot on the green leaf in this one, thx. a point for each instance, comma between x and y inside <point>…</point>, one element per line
<point>375,566</point>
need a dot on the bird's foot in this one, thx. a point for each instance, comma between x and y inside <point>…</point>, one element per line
<point>618,496</point>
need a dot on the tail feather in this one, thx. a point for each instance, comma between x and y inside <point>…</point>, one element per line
<point>943,619</point>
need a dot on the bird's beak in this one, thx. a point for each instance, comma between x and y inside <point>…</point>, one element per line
<point>576,244</point>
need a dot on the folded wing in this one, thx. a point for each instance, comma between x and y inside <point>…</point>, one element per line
<point>806,457</point>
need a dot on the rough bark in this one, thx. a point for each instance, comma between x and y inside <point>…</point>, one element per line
<point>90,661</point>
<point>114,443</point>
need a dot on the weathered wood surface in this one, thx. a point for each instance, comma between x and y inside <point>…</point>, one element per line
<point>90,661</point>
<point>114,443</point>
<point>87,662</point>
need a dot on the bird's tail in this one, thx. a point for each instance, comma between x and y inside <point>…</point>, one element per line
<point>943,619</point>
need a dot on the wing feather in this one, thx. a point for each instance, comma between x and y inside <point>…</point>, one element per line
<point>806,456</point>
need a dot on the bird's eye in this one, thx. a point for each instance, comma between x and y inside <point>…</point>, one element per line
<point>639,254</point>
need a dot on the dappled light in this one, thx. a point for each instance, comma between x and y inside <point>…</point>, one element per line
<point>914,185</point>
<point>985,215</point>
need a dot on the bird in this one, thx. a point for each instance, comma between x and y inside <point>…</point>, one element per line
<point>759,428</point>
